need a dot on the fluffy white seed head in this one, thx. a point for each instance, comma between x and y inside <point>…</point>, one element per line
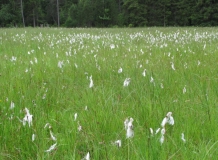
<point>91,84</point>
<point>130,131</point>
<point>126,82</point>
<point>118,143</point>
<point>87,157</point>
<point>168,119</point>
<point>51,148</point>
<point>120,70</point>
<point>151,131</point>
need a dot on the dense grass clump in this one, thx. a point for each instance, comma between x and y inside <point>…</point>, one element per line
<point>48,74</point>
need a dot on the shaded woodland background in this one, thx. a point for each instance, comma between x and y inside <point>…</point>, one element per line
<point>108,13</point>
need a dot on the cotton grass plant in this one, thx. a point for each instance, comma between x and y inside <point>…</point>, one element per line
<point>67,86</point>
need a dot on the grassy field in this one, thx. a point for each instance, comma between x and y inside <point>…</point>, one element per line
<point>61,88</point>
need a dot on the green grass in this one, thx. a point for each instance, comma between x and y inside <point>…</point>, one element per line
<point>53,95</point>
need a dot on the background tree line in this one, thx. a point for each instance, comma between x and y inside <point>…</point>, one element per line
<point>108,13</point>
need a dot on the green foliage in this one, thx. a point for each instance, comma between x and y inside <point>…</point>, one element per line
<point>72,16</point>
<point>121,19</point>
<point>106,13</point>
<point>6,17</point>
<point>70,22</point>
<point>135,12</point>
<point>87,13</point>
<point>105,16</point>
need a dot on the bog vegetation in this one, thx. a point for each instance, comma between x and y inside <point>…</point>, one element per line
<point>145,93</point>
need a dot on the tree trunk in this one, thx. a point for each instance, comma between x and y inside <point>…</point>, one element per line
<point>34,20</point>
<point>58,13</point>
<point>164,16</point>
<point>119,6</point>
<point>21,3</point>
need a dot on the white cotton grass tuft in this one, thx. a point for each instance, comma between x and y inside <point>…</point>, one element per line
<point>168,119</point>
<point>112,46</point>
<point>184,90</point>
<point>33,137</point>
<point>87,157</point>
<point>126,82</point>
<point>60,64</point>
<point>75,65</point>
<point>126,123</point>
<point>52,136</point>
<point>161,85</point>
<point>204,46</point>
<point>51,148</point>
<point>91,84</point>
<point>86,108</point>
<point>87,77</point>
<point>28,118</point>
<point>162,131</point>
<point>13,58</point>
<point>161,139</point>
<point>35,59</point>
<point>151,80</point>
<point>12,105</point>
<point>47,125</point>
<point>129,128</point>
<point>163,123</point>
<point>157,131</point>
<point>144,73</point>
<point>118,143</point>
<point>75,116</point>
<point>172,66</point>
<point>151,131</point>
<point>79,127</point>
<point>162,135</point>
<point>183,137</point>
<point>120,70</point>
